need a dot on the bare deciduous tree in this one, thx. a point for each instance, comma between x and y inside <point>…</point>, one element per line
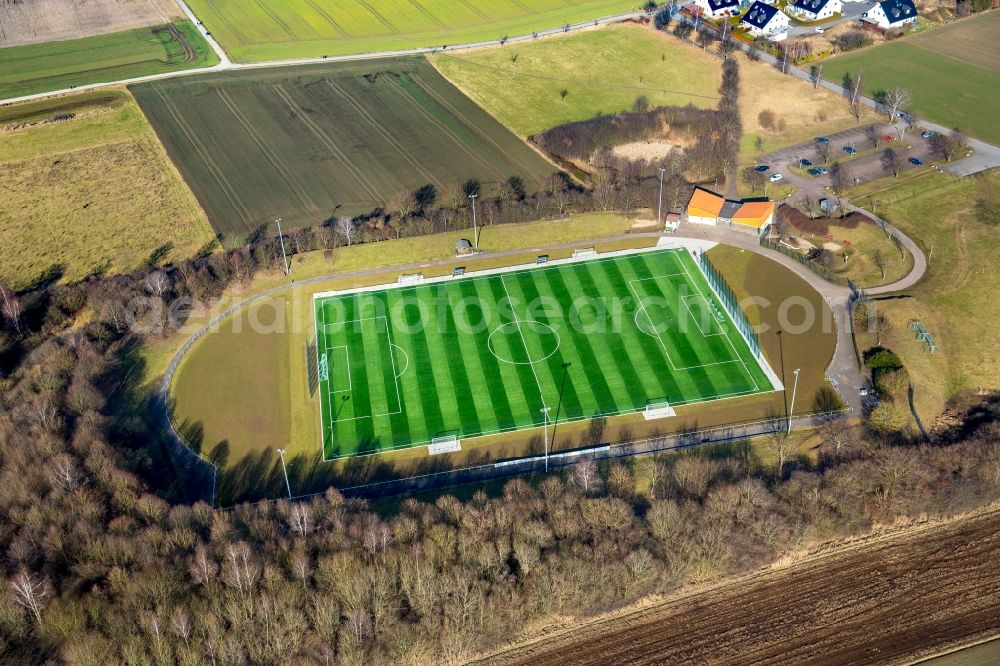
<point>895,102</point>
<point>30,592</point>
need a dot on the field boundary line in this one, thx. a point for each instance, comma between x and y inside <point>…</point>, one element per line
<point>465,121</point>
<point>733,325</point>
<point>328,142</point>
<point>524,341</point>
<point>380,129</point>
<point>271,155</point>
<point>203,153</point>
<point>409,99</point>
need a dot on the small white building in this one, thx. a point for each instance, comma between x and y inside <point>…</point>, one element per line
<point>891,14</point>
<point>816,10</point>
<point>717,8</point>
<point>764,20</point>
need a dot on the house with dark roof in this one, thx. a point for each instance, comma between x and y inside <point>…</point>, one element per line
<point>816,10</point>
<point>891,14</point>
<point>717,8</point>
<point>764,20</point>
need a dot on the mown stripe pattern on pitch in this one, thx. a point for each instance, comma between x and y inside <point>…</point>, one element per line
<point>486,354</point>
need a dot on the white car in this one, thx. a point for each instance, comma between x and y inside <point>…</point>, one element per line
<point>819,29</point>
<point>775,177</point>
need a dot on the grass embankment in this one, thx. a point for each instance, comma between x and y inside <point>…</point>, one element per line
<point>603,71</point>
<point>36,68</point>
<point>255,30</point>
<point>951,72</point>
<point>252,388</point>
<point>95,192</point>
<point>956,301</point>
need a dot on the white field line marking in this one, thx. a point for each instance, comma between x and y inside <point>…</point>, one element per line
<point>695,319</point>
<point>524,341</point>
<point>347,364</point>
<point>749,374</point>
<point>395,378</point>
<point>405,355</point>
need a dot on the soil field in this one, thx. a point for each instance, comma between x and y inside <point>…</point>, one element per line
<point>94,191</point>
<point>255,30</point>
<point>36,21</point>
<point>35,68</point>
<point>308,143</point>
<point>952,73</point>
<point>881,600</point>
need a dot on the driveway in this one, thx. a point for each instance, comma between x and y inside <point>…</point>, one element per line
<point>852,12</point>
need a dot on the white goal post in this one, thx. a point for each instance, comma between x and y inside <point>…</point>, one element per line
<point>444,444</point>
<point>584,252</point>
<point>658,409</point>
<point>412,278</point>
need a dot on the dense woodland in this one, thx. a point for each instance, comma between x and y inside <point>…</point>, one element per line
<point>106,559</point>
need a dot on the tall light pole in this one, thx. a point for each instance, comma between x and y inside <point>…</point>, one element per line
<point>288,486</point>
<point>545,416</point>
<point>659,205</point>
<point>281,239</point>
<point>791,410</point>
<point>475,232</point>
<point>784,387</point>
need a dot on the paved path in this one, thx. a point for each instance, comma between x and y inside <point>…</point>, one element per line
<point>226,64</point>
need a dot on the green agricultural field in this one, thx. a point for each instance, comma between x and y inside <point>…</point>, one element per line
<point>602,71</point>
<point>36,68</point>
<point>476,356</point>
<point>946,71</point>
<point>94,191</point>
<point>308,143</point>
<point>255,30</point>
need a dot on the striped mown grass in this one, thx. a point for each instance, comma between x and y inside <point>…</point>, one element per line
<point>486,354</point>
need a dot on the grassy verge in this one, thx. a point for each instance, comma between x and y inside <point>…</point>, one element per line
<point>92,193</point>
<point>35,68</point>
<point>956,300</point>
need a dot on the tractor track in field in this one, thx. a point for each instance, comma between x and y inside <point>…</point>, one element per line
<point>884,599</point>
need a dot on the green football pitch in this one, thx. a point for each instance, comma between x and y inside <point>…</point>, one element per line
<point>467,356</point>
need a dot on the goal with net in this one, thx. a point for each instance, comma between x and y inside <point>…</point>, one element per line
<point>658,409</point>
<point>444,444</point>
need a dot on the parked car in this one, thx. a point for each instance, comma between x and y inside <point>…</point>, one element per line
<point>805,163</point>
<point>821,139</point>
<point>888,138</point>
<point>819,30</point>
<point>761,167</point>
<point>927,134</point>
<point>817,171</point>
<point>775,177</point>
<point>850,150</point>
<point>916,162</point>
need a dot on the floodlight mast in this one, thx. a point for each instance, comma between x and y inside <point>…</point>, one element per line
<point>791,410</point>
<point>545,428</point>
<point>475,232</point>
<point>288,486</point>
<point>659,205</point>
<point>281,239</point>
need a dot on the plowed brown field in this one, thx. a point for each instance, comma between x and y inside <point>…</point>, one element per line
<point>884,600</point>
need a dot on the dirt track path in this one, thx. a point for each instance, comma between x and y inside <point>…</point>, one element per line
<point>887,600</point>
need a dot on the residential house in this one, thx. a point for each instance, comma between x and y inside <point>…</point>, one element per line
<point>816,10</point>
<point>764,20</point>
<point>891,14</point>
<point>718,8</point>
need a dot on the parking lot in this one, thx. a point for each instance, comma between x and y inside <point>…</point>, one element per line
<point>865,166</point>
